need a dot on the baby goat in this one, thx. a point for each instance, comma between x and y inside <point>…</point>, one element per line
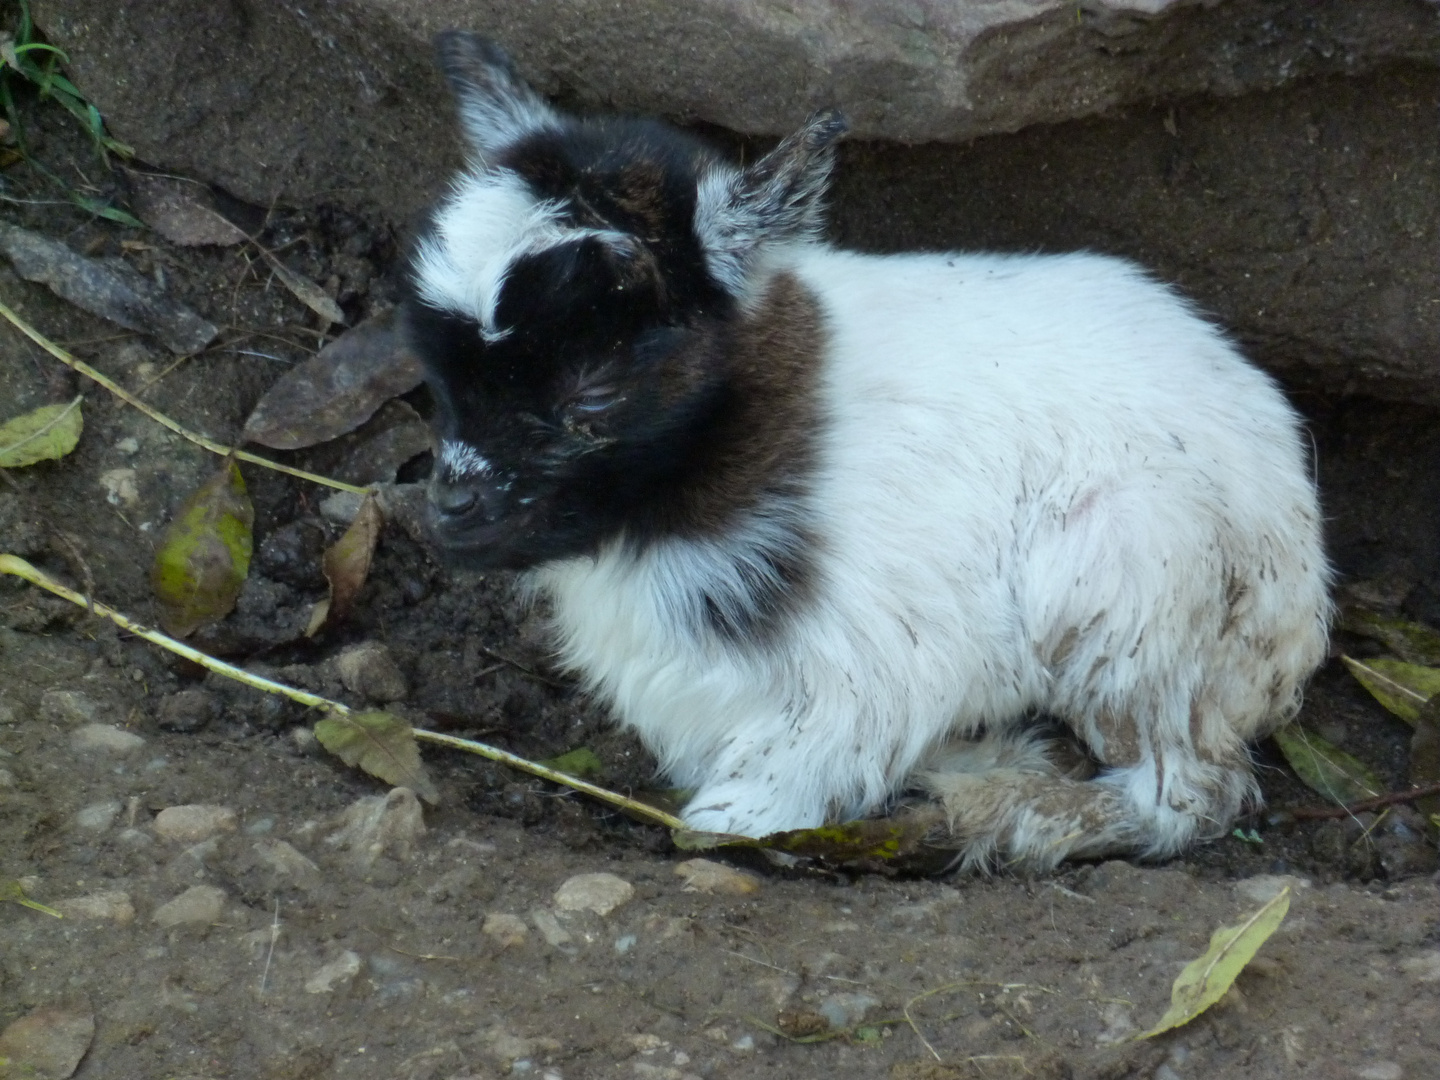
<point>820,525</point>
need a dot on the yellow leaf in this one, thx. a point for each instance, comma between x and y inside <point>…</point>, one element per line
<point>1402,688</point>
<point>204,554</point>
<point>42,434</point>
<point>380,743</point>
<point>1205,980</point>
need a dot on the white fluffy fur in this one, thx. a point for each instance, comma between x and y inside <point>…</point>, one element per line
<point>1044,485</point>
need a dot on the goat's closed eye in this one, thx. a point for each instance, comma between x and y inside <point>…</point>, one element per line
<point>593,400</point>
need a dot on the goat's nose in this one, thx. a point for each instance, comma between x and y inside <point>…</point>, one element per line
<point>453,500</point>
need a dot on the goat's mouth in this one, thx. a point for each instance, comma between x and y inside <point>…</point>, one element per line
<point>483,544</point>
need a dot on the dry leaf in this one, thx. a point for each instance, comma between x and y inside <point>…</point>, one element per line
<point>182,211</point>
<point>204,554</point>
<point>346,564</point>
<point>877,843</point>
<point>374,452</point>
<point>1402,688</point>
<point>307,292</point>
<point>381,744</point>
<point>42,434</point>
<point>113,291</point>
<point>1325,768</point>
<point>336,390</point>
<point>1205,980</point>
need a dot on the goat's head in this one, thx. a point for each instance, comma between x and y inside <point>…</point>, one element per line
<point>573,303</point>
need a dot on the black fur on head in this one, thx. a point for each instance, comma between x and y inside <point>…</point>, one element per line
<point>580,304</point>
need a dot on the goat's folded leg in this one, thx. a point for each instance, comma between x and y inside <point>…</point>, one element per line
<point>1009,807</point>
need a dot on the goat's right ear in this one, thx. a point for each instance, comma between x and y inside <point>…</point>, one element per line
<point>778,199</point>
<point>497,106</point>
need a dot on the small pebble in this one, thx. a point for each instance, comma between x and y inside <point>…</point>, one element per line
<point>105,739</point>
<point>1263,888</point>
<point>1381,1070</point>
<point>702,875</point>
<point>284,859</point>
<point>338,972</point>
<point>376,825</point>
<point>555,935</point>
<point>7,778</point>
<point>624,943</point>
<point>845,1011</point>
<point>98,815</point>
<point>507,930</point>
<point>197,904</point>
<point>341,507</point>
<point>195,822</point>
<point>1423,967</point>
<point>188,710</point>
<point>369,669</point>
<point>600,893</point>
<point>114,906</point>
<point>128,445</point>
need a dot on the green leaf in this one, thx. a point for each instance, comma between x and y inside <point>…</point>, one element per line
<point>383,745</point>
<point>1411,641</point>
<point>581,762</point>
<point>1326,768</point>
<point>1402,688</point>
<point>42,434</point>
<point>15,892</point>
<point>1205,980</point>
<point>204,554</point>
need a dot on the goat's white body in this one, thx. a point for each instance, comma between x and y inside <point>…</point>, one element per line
<point>1044,485</point>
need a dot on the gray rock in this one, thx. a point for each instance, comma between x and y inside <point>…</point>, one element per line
<point>507,930</point>
<point>105,739</point>
<point>199,904</point>
<point>379,825</point>
<point>337,973</point>
<point>98,816</point>
<point>195,822</point>
<point>112,906</point>
<point>70,707</point>
<point>337,80</point>
<point>369,669</point>
<point>187,710</point>
<point>600,893</point>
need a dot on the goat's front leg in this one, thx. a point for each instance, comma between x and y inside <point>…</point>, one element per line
<point>766,780</point>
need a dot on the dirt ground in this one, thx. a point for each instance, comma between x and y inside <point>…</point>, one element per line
<point>273,938</point>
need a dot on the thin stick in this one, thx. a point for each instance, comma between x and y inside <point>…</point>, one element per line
<point>12,564</point>
<point>1316,813</point>
<point>124,395</point>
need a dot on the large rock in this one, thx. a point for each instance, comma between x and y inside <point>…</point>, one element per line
<point>1276,158</point>
<point>330,100</point>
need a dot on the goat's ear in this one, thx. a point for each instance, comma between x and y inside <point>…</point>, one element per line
<point>779,198</point>
<point>497,106</point>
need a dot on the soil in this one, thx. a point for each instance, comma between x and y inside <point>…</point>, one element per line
<point>272,942</point>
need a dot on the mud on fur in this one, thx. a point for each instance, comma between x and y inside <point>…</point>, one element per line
<point>822,527</point>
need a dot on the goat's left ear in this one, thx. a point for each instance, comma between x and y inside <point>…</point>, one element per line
<point>780,198</point>
<point>497,106</point>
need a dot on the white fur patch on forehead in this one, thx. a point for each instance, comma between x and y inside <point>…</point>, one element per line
<point>459,460</point>
<point>490,219</point>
